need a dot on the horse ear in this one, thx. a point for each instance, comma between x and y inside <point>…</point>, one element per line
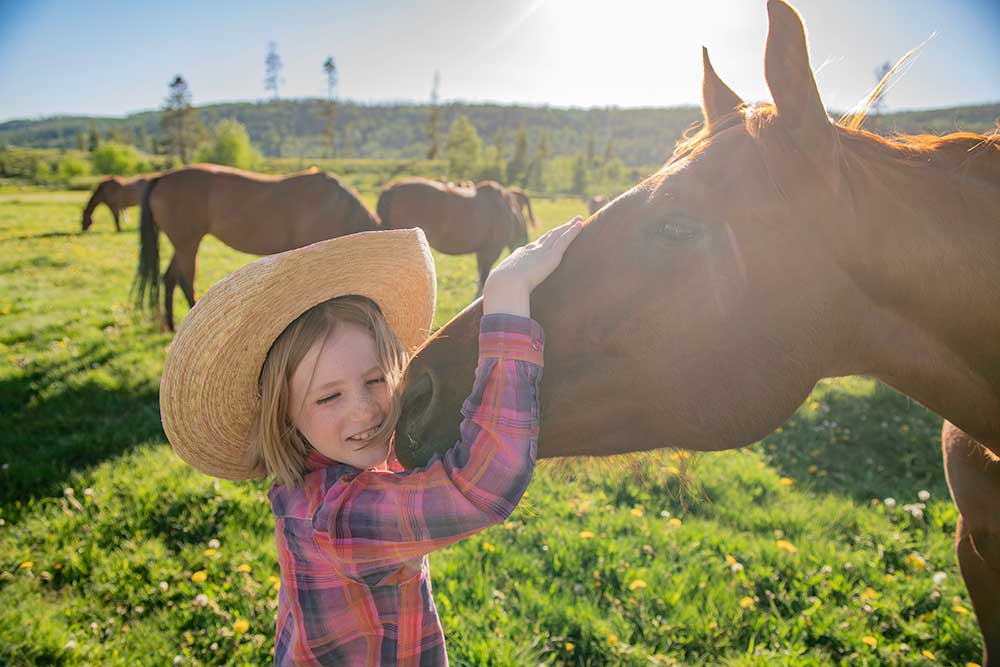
<point>790,78</point>
<point>717,99</point>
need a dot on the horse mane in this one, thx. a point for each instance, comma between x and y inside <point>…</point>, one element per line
<point>960,150</point>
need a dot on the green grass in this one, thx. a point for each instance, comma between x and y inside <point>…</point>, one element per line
<point>604,563</point>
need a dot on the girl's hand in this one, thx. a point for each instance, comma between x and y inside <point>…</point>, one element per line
<point>509,285</point>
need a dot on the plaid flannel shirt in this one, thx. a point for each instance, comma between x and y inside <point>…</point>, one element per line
<point>352,544</point>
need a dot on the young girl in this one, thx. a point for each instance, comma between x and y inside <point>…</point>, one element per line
<point>290,367</point>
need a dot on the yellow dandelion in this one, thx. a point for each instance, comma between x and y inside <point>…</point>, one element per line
<point>489,547</point>
<point>612,640</point>
<point>57,566</point>
<point>636,511</point>
<point>786,546</point>
<point>674,522</point>
<point>927,654</point>
<point>508,525</point>
<point>241,626</point>
<point>673,470</point>
<point>586,534</point>
<point>959,609</point>
<point>786,481</point>
<point>636,585</point>
<point>812,469</point>
<point>871,641</point>
<point>26,564</point>
<point>570,646</point>
<point>199,576</point>
<point>972,664</point>
<point>242,567</point>
<point>916,561</point>
<point>887,577</point>
<point>814,405</point>
<point>869,594</point>
<point>6,310</point>
<point>275,581</point>
<point>746,603</point>
<point>730,560</point>
<point>210,552</point>
<point>681,455</point>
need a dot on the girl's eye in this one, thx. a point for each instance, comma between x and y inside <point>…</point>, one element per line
<point>327,399</point>
<point>377,380</point>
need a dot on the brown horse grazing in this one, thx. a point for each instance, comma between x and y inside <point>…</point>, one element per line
<point>119,194</point>
<point>457,219</point>
<point>253,213</point>
<point>775,248</point>
<point>596,203</point>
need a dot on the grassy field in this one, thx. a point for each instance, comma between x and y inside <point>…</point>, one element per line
<point>113,552</point>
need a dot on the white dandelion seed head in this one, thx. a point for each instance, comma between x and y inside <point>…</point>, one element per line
<point>164,586</point>
<point>890,502</point>
<point>923,495</point>
<point>939,578</point>
<point>70,645</point>
<point>736,567</point>
<point>213,543</point>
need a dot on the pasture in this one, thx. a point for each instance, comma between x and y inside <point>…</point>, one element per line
<point>114,552</point>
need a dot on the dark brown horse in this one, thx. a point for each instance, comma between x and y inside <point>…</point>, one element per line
<point>253,213</point>
<point>457,220</point>
<point>775,248</point>
<point>119,194</point>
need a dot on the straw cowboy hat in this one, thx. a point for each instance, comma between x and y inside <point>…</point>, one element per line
<point>209,391</point>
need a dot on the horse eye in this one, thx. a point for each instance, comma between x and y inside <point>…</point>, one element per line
<point>680,230</point>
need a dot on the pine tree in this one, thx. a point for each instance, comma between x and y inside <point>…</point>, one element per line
<point>464,149</point>
<point>434,118</point>
<point>518,164</point>
<point>329,129</point>
<point>181,128</point>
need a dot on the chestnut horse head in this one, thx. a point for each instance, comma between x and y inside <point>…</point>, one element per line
<point>775,248</point>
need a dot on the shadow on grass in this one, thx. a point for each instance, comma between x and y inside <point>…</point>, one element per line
<point>57,420</point>
<point>866,445</point>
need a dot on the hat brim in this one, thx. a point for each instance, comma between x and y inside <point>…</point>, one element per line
<point>209,389</point>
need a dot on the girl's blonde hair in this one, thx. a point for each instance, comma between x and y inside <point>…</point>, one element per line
<point>280,447</point>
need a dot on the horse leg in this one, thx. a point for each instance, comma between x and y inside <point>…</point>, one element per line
<point>973,474</point>
<point>180,272</point>
<point>484,260</point>
<point>115,213</point>
<point>169,283</point>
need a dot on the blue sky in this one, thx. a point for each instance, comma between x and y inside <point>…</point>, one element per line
<point>114,58</point>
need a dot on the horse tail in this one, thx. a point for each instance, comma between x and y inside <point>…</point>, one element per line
<point>147,278</point>
<point>526,202</point>
<point>382,208</point>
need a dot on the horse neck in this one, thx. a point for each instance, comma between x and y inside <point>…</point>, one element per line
<point>925,233</point>
<point>96,200</point>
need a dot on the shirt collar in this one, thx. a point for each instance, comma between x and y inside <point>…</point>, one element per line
<point>315,461</point>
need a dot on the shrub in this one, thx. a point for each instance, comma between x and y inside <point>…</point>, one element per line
<point>72,166</point>
<point>231,146</point>
<point>113,158</point>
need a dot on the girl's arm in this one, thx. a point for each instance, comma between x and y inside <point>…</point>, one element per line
<point>374,519</point>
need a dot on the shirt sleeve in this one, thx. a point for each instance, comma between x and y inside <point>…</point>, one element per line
<point>374,519</point>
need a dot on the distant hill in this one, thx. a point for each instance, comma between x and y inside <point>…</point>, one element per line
<point>639,136</point>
